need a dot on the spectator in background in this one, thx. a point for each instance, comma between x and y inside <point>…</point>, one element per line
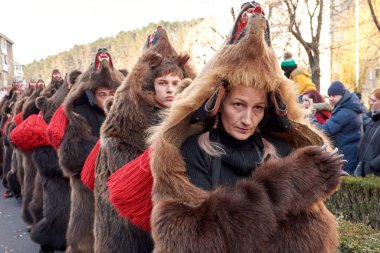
<point>369,151</point>
<point>3,93</point>
<point>345,127</point>
<point>365,114</point>
<point>315,102</point>
<point>297,74</point>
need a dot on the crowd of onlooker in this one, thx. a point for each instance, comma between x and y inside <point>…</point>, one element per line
<point>352,127</point>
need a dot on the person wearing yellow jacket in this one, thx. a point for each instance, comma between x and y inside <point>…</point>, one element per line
<point>299,75</point>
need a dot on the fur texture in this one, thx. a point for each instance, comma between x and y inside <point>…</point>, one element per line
<point>15,176</point>
<point>51,230</point>
<point>7,108</point>
<point>280,208</point>
<point>123,139</point>
<point>77,143</point>
<point>32,201</point>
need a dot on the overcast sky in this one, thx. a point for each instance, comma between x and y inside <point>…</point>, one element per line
<point>40,28</point>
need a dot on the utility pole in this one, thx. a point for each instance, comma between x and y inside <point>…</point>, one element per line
<point>357,45</point>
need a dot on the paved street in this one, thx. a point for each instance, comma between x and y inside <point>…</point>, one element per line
<point>13,235</point>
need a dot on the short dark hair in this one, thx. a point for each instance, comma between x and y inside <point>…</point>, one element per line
<point>167,66</point>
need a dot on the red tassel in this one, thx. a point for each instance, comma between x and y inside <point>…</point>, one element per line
<point>6,124</point>
<point>56,127</point>
<point>30,134</point>
<point>88,172</point>
<point>18,118</point>
<point>130,191</point>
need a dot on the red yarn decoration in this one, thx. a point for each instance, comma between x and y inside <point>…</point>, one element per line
<point>130,191</point>
<point>56,128</point>
<point>18,118</point>
<point>88,172</point>
<point>30,134</point>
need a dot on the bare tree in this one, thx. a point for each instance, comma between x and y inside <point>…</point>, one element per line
<point>280,36</point>
<point>314,11</point>
<point>374,17</point>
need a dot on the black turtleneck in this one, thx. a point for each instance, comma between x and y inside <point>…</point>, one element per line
<point>375,115</point>
<point>208,172</point>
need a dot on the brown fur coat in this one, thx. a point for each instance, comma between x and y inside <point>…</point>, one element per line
<point>123,139</point>
<point>50,231</point>
<point>77,143</point>
<point>280,207</point>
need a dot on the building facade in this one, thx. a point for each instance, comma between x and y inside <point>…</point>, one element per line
<point>355,45</point>
<point>6,61</point>
<point>18,72</point>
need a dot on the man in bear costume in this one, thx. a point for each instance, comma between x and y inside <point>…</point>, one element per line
<point>123,138</point>
<point>82,132</point>
<point>6,117</point>
<point>32,201</point>
<point>15,177</point>
<point>279,207</point>
<point>50,231</point>
<point>33,179</point>
<point>26,170</point>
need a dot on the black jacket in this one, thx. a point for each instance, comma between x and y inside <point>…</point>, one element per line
<point>371,158</point>
<point>239,161</point>
<point>91,112</point>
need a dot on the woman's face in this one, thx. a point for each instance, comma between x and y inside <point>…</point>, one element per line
<point>306,101</point>
<point>374,103</point>
<point>164,89</point>
<point>243,109</point>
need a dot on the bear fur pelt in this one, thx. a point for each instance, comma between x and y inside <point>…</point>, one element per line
<point>8,149</point>
<point>123,139</point>
<point>15,176</point>
<point>280,207</point>
<point>5,111</point>
<point>50,231</point>
<point>77,143</point>
<point>31,213</point>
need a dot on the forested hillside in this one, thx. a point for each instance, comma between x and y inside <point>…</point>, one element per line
<point>196,37</point>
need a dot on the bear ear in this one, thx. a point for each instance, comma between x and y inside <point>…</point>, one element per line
<point>73,76</point>
<point>155,60</point>
<point>108,104</point>
<point>182,59</point>
<point>125,72</point>
<point>41,102</point>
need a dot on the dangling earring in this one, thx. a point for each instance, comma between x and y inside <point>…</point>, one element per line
<point>216,122</point>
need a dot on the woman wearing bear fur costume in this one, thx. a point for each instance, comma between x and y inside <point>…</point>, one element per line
<point>277,208</point>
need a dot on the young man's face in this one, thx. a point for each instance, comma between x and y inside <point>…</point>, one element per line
<point>334,99</point>
<point>101,94</point>
<point>165,87</point>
